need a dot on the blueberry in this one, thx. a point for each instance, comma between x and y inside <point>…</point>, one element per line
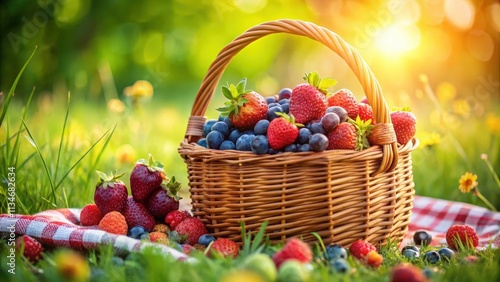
<point>341,112</point>
<point>227,120</point>
<point>284,101</point>
<point>446,253</point>
<point>274,104</point>
<point>260,144</point>
<point>206,239</point>
<point>203,142</point>
<point>271,99</point>
<point>411,247</point>
<point>318,142</point>
<point>285,93</point>
<point>214,139</point>
<point>221,118</point>
<point>227,145</point>
<point>136,232</point>
<point>221,127</point>
<point>173,236</point>
<point>304,135</point>
<point>339,265</point>
<point>304,148</point>
<point>272,151</point>
<point>317,127</point>
<point>286,108</point>
<point>290,148</point>
<point>144,236</point>
<point>249,131</point>
<point>432,257</point>
<point>410,254</point>
<point>335,251</point>
<point>330,121</point>
<point>207,127</point>
<point>261,127</point>
<point>422,237</point>
<point>271,113</point>
<point>244,142</point>
<point>234,135</point>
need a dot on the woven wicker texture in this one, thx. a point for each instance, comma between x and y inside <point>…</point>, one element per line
<point>342,195</point>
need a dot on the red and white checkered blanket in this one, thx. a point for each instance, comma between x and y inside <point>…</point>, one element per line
<point>61,227</point>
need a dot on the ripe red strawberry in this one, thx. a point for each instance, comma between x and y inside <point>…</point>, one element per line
<point>308,100</point>
<point>404,125</point>
<point>406,272</point>
<point>136,214</point>
<point>30,248</point>
<point>191,228</point>
<point>282,131</point>
<point>110,194</point>
<point>173,218</point>
<point>90,215</point>
<point>351,135</point>
<point>225,248</point>
<point>461,235</point>
<point>145,178</point>
<point>245,107</point>
<point>294,248</point>
<point>114,222</point>
<point>345,99</point>
<point>360,249</point>
<point>164,200</point>
<point>365,112</point>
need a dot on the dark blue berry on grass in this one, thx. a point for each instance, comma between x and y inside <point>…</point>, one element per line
<point>214,139</point>
<point>136,232</point>
<point>271,113</point>
<point>285,93</point>
<point>244,142</point>
<point>304,135</point>
<point>317,127</point>
<point>207,127</point>
<point>221,127</point>
<point>206,239</point>
<point>432,257</point>
<point>422,237</point>
<point>410,254</point>
<point>330,121</point>
<point>234,135</point>
<point>411,247</point>
<point>341,112</point>
<point>290,148</point>
<point>202,142</point>
<point>260,144</point>
<point>339,265</point>
<point>318,142</point>
<point>446,253</point>
<point>227,145</point>
<point>335,251</point>
<point>261,127</point>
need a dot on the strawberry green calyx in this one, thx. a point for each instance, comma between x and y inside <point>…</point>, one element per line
<point>234,94</point>
<point>321,84</point>
<point>173,187</point>
<point>363,130</point>
<point>290,118</point>
<point>152,165</point>
<point>107,180</point>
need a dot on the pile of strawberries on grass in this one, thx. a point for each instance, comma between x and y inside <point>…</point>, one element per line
<point>305,118</point>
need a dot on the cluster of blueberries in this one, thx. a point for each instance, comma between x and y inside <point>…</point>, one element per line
<point>424,238</point>
<point>220,134</point>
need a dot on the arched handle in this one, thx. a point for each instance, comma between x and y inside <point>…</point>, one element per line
<point>330,39</point>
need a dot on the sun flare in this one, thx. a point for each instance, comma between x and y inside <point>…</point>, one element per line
<point>398,39</point>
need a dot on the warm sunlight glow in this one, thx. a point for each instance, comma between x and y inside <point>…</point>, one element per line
<point>398,39</point>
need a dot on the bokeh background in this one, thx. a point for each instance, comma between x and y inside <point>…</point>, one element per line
<point>440,57</point>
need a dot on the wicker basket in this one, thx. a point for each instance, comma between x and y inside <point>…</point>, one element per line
<point>342,195</point>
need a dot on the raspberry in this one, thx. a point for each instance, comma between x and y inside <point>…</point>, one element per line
<point>173,218</point>
<point>31,248</point>
<point>158,237</point>
<point>160,227</point>
<point>461,236</point>
<point>90,215</point>
<point>360,249</point>
<point>293,249</point>
<point>114,222</point>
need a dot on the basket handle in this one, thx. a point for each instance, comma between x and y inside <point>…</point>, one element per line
<point>383,130</point>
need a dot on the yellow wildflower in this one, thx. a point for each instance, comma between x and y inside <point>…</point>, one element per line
<point>125,154</point>
<point>141,88</point>
<point>493,123</point>
<point>446,92</point>
<point>467,182</point>
<point>116,106</point>
<point>72,265</point>
<point>429,139</point>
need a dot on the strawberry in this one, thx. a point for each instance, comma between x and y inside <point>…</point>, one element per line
<point>114,222</point>
<point>30,248</point>
<point>404,125</point>
<point>360,249</point>
<point>90,215</point>
<point>164,200</point>
<point>282,131</point>
<point>191,228</point>
<point>365,112</point>
<point>225,248</point>
<point>136,214</point>
<point>158,237</point>
<point>345,99</point>
<point>245,107</point>
<point>145,178</point>
<point>110,193</point>
<point>308,100</point>
<point>294,248</point>
<point>459,236</point>
<point>406,272</point>
<point>173,218</point>
<point>351,135</point>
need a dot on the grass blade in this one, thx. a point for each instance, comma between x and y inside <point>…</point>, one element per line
<point>14,85</point>
<point>62,138</point>
<point>99,155</point>
<point>15,152</point>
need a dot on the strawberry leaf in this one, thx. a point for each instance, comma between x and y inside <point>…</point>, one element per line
<point>226,92</point>
<point>240,87</point>
<point>327,83</point>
